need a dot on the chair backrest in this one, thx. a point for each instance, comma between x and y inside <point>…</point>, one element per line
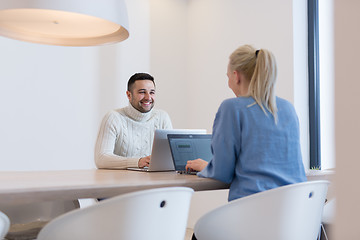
<point>4,225</point>
<point>329,212</point>
<point>289,212</point>
<point>149,214</point>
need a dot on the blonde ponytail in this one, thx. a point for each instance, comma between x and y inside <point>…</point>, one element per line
<point>260,68</point>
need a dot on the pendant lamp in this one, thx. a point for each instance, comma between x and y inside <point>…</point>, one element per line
<point>65,22</point>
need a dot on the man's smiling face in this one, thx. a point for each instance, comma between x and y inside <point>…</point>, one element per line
<point>142,95</point>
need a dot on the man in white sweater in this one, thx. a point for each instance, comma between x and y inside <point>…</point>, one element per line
<point>126,135</point>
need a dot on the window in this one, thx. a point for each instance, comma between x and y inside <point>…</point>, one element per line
<point>321,82</point>
<point>314,84</point>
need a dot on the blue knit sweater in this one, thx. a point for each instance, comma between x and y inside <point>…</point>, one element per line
<point>250,151</point>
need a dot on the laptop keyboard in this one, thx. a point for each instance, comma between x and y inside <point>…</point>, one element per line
<point>191,172</point>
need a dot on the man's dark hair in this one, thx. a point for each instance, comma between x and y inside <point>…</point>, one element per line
<point>139,76</point>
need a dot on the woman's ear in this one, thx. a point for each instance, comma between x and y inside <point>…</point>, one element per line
<point>239,77</point>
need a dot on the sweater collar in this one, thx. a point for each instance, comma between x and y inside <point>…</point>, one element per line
<point>136,114</point>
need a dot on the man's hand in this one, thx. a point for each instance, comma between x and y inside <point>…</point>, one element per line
<point>144,162</point>
<point>197,164</point>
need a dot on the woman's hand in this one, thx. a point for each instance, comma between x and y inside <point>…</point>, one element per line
<point>197,164</point>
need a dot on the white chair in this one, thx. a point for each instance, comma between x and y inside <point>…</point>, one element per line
<point>4,225</point>
<point>291,212</point>
<point>150,214</point>
<point>28,219</point>
<point>328,219</point>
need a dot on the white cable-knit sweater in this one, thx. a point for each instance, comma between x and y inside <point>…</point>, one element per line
<point>126,135</point>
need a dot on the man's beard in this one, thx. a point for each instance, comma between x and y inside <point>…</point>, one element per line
<point>140,108</point>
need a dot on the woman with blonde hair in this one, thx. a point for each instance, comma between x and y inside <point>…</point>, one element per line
<point>255,139</point>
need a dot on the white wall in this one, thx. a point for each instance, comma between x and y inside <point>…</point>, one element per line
<point>203,33</point>
<point>217,28</point>
<point>347,115</point>
<point>192,40</point>
<point>168,58</point>
<point>52,98</point>
<point>47,105</point>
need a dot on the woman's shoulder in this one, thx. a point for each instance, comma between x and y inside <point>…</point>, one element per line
<point>283,103</point>
<point>237,102</point>
<point>285,108</point>
<point>280,100</point>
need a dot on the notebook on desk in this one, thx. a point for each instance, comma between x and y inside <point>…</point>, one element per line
<point>186,147</point>
<point>161,159</point>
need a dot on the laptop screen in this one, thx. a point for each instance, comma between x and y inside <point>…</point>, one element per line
<point>186,147</point>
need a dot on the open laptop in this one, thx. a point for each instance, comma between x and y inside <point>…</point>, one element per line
<point>161,159</point>
<point>186,147</point>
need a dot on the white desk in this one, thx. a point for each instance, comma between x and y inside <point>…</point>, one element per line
<point>26,187</point>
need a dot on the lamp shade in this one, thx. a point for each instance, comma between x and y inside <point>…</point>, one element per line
<point>65,22</point>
